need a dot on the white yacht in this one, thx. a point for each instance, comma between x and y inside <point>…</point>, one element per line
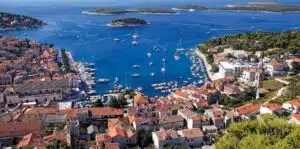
<point>149,54</point>
<point>136,66</point>
<point>152,74</point>
<point>179,46</point>
<point>103,80</point>
<point>135,75</point>
<point>163,69</point>
<point>134,43</point>
<point>191,10</point>
<point>117,40</point>
<point>176,57</point>
<point>150,63</point>
<point>135,36</point>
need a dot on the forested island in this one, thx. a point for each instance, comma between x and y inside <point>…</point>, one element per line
<point>12,21</point>
<point>191,7</point>
<point>115,11</point>
<point>127,22</point>
<point>269,7</point>
<point>285,41</point>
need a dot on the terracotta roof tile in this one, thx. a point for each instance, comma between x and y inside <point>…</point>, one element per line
<point>181,94</point>
<point>246,109</point>
<point>26,140</point>
<point>272,107</point>
<point>296,116</point>
<point>295,102</point>
<point>106,111</point>
<point>103,138</point>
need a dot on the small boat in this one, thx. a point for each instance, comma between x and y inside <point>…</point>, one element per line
<point>135,36</point>
<point>163,60</point>
<point>149,54</point>
<point>179,46</point>
<point>150,63</point>
<point>163,69</point>
<point>191,10</point>
<point>136,66</point>
<point>116,80</point>
<point>103,80</point>
<point>134,43</point>
<point>156,48</point>
<point>117,40</point>
<point>152,74</point>
<point>180,49</point>
<point>176,57</point>
<point>135,75</point>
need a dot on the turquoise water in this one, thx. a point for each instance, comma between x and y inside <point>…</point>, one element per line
<point>89,40</point>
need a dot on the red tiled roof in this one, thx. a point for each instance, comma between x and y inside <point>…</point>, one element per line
<point>181,94</point>
<point>295,102</point>
<point>103,138</point>
<point>26,140</point>
<point>272,107</point>
<point>246,109</point>
<point>15,129</point>
<point>276,63</point>
<point>107,146</point>
<point>140,99</point>
<point>106,111</point>
<point>296,116</point>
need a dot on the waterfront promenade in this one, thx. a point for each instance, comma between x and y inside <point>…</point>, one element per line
<point>212,76</point>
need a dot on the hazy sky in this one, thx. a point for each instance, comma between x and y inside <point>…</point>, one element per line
<point>130,2</point>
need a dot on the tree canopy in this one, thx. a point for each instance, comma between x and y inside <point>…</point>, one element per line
<point>259,41</point>
<point>267,132</point>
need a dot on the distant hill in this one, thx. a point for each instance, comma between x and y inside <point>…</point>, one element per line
<point>194,7</point>
<point>115,11</point>
<point>271,7</point>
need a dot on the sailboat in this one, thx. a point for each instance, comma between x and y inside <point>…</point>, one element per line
<point>149,54</point>
<point>135,35</point>
<point>163,69</point>
<point>156,48</point>
<point>152,74</point>
<point>135,43</point>
<point>179,46</point>
<point>176,57</point>
<point>150,63</point>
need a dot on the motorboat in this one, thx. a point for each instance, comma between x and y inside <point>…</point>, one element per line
<point>152,74</point>
<point>176,57</point>
<point>117,40</point>
<point>135,36</point>
<point>149,54</point>
<point>135,75</point>
<point>103,80</point>
<point>136,66</point>
<point>150,63</point>
<point>191,10</point>
<point>134,43</point>
<point>163,69</point>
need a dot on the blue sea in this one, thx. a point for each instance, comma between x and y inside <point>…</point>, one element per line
<point>89,40</point>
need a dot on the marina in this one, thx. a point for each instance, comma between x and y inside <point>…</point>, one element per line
<point>163,46</point>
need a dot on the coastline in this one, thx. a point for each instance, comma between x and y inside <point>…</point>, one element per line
<point>95,13</point>
<point>211,76</point>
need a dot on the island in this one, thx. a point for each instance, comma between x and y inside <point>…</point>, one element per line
<point>13,21</point>
<point>191,7</point>
<point>155,11</point>
<point>115,11</point>
<point>127,22</point>
<point>263,6</point>
<point>106,11</point>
